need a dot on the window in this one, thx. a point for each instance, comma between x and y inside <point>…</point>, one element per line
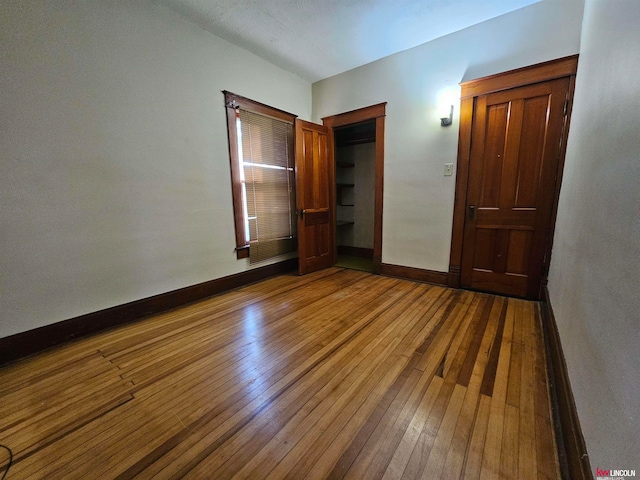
<point>263,178</point>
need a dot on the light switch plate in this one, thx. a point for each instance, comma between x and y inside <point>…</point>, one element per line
<point>448,169</point>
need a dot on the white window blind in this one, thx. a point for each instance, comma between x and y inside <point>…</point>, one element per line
<point>267,173</point>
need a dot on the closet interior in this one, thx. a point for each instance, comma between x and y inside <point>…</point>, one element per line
<point>355,194</point>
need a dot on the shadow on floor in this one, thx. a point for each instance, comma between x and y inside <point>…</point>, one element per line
<point>355,263</point>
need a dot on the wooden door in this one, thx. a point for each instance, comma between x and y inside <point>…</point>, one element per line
<point>315,173</point>
<point>515,148</point>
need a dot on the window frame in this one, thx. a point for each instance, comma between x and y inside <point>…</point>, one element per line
<point>232,103</point>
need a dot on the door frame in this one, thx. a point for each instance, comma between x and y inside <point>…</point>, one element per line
<point>541,72</point>
<point>374,112</point>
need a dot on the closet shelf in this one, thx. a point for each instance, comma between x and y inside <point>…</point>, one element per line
<point>340,223</point>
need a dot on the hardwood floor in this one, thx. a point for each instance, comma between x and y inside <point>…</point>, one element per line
<point>337,374</point>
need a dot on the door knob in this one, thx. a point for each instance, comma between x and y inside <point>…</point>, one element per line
<point>472,211</point>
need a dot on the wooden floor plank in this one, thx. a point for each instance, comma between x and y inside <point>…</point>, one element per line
<point>488,317</point>
<point>210,429</point>
<point>398,438</point>
<point>509,449</point>
<point>545,440</point>
<point>380,424</point>
<point>353,416</point>
<point>254,442</point>
<point>438,454</point>
<point>277,449</point>
<point>493,442</point>
<point>475,451</point>
<point>336,374</point>
<point>397,465</point>
<point>527,457</point>
<point>458,448</point>
<point>381,445</point>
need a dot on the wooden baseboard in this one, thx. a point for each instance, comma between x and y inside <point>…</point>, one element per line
<point>355,251</point>
<point>33,341</point>
<point>411,273</point>
<point>572,450</point>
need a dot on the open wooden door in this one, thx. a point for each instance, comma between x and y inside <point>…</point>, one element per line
<point>513,169</point>
<point>315,173</point>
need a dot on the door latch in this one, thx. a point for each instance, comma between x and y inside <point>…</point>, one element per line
<point>472,211</point>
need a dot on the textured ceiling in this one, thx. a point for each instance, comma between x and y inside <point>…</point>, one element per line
<point>316,39</point>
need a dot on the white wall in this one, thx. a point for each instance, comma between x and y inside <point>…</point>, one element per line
<point>594,281</point>
<point>418,199</point>
<point>115,181</point>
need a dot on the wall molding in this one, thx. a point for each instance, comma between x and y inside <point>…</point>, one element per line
<point>540,72</point>
<point>412,273</point>
<point>572,450</point>
<point>22,344</point>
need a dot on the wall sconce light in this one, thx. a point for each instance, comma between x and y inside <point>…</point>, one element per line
<point>446,121</point>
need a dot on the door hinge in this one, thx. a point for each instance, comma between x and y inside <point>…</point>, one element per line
<point>566,107</point>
